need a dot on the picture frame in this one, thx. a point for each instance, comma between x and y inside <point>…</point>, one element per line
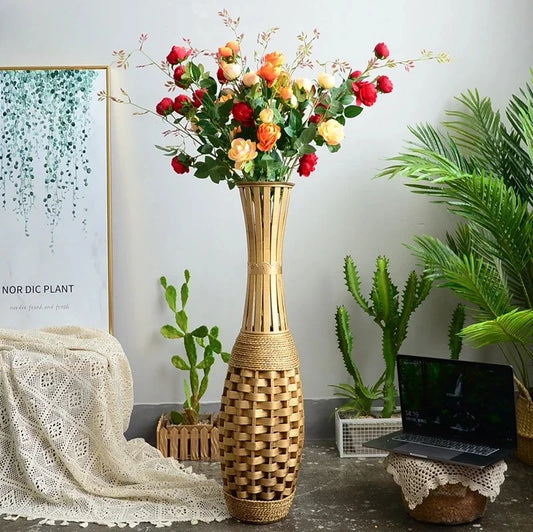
<point>55,197</point>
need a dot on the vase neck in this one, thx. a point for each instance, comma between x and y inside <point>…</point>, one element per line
<point>265,209</point>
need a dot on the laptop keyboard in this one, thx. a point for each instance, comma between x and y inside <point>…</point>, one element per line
<point>435,441</point>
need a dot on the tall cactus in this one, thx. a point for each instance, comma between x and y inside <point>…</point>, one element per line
<point>391,313</point>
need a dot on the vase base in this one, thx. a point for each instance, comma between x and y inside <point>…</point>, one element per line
<point>250,511</point>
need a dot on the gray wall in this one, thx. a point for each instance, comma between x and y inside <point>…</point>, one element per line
<point>163,223</point>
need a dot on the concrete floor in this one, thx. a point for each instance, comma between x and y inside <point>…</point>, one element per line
<point>348,494</point>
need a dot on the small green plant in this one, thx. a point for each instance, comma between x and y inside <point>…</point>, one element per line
<point>200,339</point>
<point>392,315</point>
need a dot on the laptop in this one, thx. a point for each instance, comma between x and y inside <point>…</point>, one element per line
<point>453,411</point>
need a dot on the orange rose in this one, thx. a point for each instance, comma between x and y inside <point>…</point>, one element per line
<point>267,135</point>
<point>225,51</point>
<point>234,45</point>
<point>286,93</point>
<point>269,72</point>
<point>275,58</point>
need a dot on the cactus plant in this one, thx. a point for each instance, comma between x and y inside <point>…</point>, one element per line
<point>199,337</point>
<point>455,340</point>
<point>391,313</point>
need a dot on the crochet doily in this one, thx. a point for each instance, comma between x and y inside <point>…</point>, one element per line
<point>417,477</point>
<point>66,397</point>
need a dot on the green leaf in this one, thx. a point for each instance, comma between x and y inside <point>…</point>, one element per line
<point>515,326</point>
<point>184,294</point>
<point>205,149</point>
<point>214,331</point>
<point>170,296</point>
<point>187,275</point>
<point>179,363</point>
<point>308,134</point>
<point>215,344</point>
<point>352,111</point>
<point>177,418</point>
<point>203,386</point>
<point>163,281</point>
<point>206,363</point>
<point>200,332</point>
<point>190,349</point>
<point>182,320</point>
<point>168,331</point>
<point>225,356</point>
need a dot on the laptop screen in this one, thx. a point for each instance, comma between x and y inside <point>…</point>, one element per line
<point>457,399</point>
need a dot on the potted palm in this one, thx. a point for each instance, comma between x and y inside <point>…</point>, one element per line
<point>481,168</point>
<point>190,434</point>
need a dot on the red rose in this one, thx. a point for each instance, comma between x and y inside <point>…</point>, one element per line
<point>220,76</point>
<point>165,107</point>
<point>381,50</point>
<point>197,97</point>
<point>315,119</point>
<point>243,113</point>
<point>307,164</point>
<point>356,74</point>
<point>384,84</point>
<point>178,75</point>
<point>178,54</point>
<point>181,101</point>
<point>365,93</point>
<point>178,166</point>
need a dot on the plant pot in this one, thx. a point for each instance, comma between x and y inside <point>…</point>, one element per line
<point>352,431</point>
<point>262,418</point>
<point>524,424</point>
<point>189,442</point>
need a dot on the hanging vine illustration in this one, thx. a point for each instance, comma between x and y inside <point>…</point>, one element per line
<point>44,127</point>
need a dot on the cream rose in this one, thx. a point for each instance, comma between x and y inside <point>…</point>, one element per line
<point>304,84</point>
<point>327,81</point>
<point>231,70</point>
<point>266,115</point>
<point>331,131</point>
<point>241,152</point>
<point>250,78</point>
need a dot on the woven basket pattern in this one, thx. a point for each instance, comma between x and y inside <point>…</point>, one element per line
<point>262,440</point>
<point>524,424</point>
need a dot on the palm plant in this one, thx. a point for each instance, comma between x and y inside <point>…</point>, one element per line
<point>481,169</point>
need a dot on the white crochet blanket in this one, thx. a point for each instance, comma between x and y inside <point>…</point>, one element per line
<point>65,401</point>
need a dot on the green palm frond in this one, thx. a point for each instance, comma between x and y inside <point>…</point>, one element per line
<point>515,326</point>
<point>471,278</point>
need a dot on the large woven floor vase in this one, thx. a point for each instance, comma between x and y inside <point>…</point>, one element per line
<point>262,419</point>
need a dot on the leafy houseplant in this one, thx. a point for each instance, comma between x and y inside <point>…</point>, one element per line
<point>392,315</point>
<point>481,168</point>
<point>258,122</point>
<point>201,339</point>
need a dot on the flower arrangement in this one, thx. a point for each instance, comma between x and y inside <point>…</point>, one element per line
<point>259,123</point>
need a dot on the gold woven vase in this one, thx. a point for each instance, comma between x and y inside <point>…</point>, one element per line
<point>262,419</point>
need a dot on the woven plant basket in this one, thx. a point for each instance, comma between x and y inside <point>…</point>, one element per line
<point>451,504</point>
<point>262,417</point>
<point>524,424</point>
<point>188,442</point>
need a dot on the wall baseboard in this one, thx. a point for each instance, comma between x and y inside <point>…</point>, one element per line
<point>319,420</point>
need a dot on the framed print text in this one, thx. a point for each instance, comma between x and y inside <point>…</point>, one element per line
<point>55,263</point>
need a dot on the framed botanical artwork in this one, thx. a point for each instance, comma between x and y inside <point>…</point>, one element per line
<point>55,197</point>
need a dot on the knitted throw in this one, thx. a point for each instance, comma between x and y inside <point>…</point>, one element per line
<point>66,397</point>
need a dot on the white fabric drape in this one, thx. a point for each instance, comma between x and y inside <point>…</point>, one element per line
<point>65,401</point>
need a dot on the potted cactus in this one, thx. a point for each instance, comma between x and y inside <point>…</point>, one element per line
<point>189,434</point>
<point>391,313</point>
